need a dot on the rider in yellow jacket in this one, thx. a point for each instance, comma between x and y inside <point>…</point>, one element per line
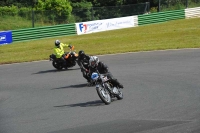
<point>59,50</point>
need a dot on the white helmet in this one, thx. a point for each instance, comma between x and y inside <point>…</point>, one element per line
<point>93,61</point>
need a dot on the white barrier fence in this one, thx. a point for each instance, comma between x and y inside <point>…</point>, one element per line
<point>192,12</point>
<point>106,24</point>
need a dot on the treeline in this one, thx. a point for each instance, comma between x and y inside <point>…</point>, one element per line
<point>94,3</point>
<point>53,12</point>
<point>69,10</point>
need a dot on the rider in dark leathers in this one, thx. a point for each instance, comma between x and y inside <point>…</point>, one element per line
<point>83,62</point>
<point>102,68</point>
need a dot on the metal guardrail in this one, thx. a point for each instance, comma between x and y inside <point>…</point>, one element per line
<point>43,32</point>
<point>160,17</point>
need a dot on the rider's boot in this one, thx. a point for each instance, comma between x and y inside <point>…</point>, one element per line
<point>120,85</point>
<point>116,82</point>
<point>90,83</point>
<point>63,60</point>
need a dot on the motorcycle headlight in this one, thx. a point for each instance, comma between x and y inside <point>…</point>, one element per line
<point>94,76</point>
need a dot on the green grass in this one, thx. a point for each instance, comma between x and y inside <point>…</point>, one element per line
<point>9,22</point>
<point>169,35</point>
<point>16,22</point>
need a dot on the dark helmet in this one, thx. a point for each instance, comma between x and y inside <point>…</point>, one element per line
<point>81,54</point>
<point>57,43</point>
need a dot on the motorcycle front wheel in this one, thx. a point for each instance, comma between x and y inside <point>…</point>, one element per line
<point>103,94</point>
<point>57,65</point>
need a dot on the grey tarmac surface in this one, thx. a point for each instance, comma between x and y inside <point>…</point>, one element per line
<point>161,95</point>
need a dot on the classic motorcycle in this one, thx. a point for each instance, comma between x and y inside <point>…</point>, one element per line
<point>105,89</point>
<point>70,57</point>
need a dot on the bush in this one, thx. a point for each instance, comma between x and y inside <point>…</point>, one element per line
<point>153,9</point>
<point>8,10</point>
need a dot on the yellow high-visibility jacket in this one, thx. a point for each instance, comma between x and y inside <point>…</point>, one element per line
<point>59,51</point>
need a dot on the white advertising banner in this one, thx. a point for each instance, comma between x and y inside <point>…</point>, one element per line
<point>104,25</point>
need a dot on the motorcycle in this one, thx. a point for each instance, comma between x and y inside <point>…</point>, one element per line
<point>105,89</point>
<point>70,57</point>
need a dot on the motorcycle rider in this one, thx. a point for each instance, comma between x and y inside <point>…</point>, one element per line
<point>95,64</point>
<point>59,50</point>
<point>83,62</point>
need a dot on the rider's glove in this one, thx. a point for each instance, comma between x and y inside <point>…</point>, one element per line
<point>71,47</point>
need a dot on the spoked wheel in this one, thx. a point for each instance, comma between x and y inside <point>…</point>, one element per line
<point>57,65</point>
<point>104,95</point>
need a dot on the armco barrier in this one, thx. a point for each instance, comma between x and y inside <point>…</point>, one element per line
<point>43,32</point>
<point>160,17</point>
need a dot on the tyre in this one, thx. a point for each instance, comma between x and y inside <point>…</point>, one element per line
<point>103,94</point>
<point>57,65</point>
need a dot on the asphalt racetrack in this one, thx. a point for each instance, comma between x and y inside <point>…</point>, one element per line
<point>161,95</point>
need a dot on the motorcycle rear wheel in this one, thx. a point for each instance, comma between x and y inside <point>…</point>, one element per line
<point>57,65</point>
<point>104,95</point>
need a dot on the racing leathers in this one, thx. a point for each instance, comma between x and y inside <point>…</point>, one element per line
<point>83,63</point>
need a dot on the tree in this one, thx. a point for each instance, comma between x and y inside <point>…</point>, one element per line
<point>102,3</point>
<point>58,9</point>
<point>82,11</point>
